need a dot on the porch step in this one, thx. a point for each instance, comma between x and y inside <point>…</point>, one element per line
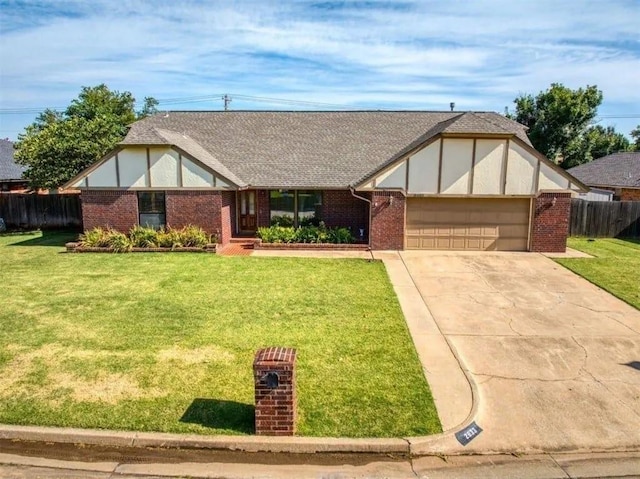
<point>243,239</point>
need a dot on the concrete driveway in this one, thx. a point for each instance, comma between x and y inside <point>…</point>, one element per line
<point>554,361</point>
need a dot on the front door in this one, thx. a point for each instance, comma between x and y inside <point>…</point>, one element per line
<point>247,200</point>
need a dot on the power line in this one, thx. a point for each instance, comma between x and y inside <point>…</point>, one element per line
<point>227,98</point>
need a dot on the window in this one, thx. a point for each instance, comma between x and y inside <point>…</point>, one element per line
<point>151,208</point>
<point>295,207</point>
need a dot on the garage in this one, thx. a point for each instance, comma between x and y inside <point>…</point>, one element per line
<point>475,224</point>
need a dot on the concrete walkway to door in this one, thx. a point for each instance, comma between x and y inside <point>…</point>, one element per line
<point>553,362</point>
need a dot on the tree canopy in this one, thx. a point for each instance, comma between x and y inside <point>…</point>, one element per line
<point>558,119</point>
<point>57,146</point>
<point>635,134</point>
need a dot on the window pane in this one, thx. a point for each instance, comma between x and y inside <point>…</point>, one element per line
<point>243,204</point>
<point>309,207</point>
<point>252,203</point>
<point>152,220</point>
<point>151,207</point>
<point>151,202</point>
<point>281,203</point>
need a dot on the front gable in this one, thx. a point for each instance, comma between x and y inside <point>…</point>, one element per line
<point>137,167</point>
<point>472,166</point>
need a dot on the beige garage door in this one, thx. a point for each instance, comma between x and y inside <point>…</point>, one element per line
<point>467,224</point>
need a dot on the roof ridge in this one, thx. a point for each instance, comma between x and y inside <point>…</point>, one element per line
<point>490,120</point>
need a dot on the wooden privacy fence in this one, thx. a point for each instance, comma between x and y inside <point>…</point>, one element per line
<point>30,211</point>
<point>605,219</point>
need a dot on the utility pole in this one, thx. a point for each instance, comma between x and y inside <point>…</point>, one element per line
<point>227,99</point>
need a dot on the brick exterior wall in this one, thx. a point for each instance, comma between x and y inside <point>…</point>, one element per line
<point>262,206</point>
<point>275,406</point>
<point>200,208</point>
<point>387,220</point>
<point>341,209</point>
<point>213,211</point>
<point>550,222</point>
<point>630,194</point>
<point>107,208</point>
<point>227,216</point>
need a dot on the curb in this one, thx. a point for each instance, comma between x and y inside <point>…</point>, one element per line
<point>301,445</point>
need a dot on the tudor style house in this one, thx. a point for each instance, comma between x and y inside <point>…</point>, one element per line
<point>397,179</point>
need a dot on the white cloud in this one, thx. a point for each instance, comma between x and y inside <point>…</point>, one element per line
<point>424,54</point>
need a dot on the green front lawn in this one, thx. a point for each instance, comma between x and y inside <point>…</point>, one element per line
<point>615,268</point>
<point>165,342</point>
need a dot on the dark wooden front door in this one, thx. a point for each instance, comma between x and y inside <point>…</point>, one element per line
<point>247,207</point>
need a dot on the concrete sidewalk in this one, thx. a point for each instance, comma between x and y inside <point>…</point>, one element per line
<point>548,466</point>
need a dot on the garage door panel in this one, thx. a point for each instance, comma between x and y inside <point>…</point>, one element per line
<point>467,224</point>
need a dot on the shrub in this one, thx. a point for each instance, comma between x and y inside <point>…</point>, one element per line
<point>95,238</point>
<point>305,234</point>
<point>193,236</point>
<point>340,236</point>
<point>277,234</point>
<point>169,238</point>
<point>142,237</point>
<point>118,242</point>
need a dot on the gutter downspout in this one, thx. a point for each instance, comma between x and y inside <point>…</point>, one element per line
<point>352,191</point>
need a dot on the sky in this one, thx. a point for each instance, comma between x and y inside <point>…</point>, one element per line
<point>318,55</point>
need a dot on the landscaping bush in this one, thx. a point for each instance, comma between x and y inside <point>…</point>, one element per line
<point>340,236</point>
<point>169,238</point>
<point>95,238</point>
<point>305,234</point>
<point>193,236</point>
<point>277,234</point>
<point>141,237</point>
<point>118,242</point>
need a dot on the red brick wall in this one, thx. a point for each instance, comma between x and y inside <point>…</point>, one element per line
<point>199,208</point>
<point>341,209</point>
<point>629,194</point>
<point>228,216</point>
<point>109,208</point>
<point>262,199</point>
<point>387,220</point>
<point>550,222</point>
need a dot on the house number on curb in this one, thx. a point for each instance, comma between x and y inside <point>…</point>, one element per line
<point>465,436</point>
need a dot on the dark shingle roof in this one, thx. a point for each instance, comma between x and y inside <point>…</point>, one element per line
<point>311,149</point>
<point>619,169</point>
<point>9,170</point>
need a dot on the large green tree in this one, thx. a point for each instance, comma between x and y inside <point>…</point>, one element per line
<point>635,134</point>
<point>558,119</point>
<point>57,146</point>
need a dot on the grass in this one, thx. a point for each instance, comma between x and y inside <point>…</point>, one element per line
<point>615,268</point>
<point>165,342</point>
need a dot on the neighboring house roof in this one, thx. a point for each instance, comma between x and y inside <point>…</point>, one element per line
<point>9,170</point>
<point>308,149</point>
<point>621,170</point>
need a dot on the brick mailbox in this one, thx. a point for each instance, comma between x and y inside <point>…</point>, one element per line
<point>274,371</point>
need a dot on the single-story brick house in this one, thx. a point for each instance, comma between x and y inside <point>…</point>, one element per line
<point>397,179</point>
<point>618,172</point>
